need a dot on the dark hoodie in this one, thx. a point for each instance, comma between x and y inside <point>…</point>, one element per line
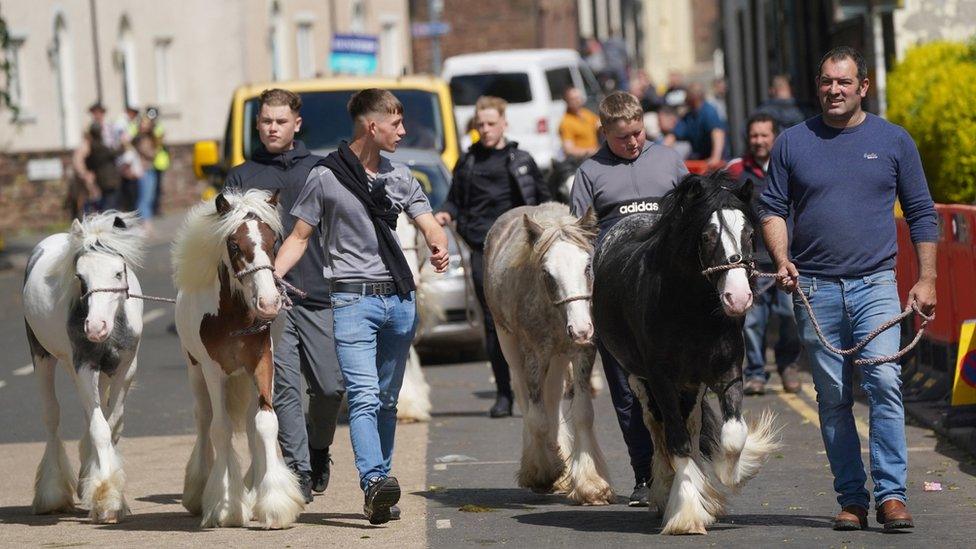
<point>288,172</point>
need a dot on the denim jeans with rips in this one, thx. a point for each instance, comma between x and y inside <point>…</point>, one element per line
<point>848,309</point>
<point>373,335</point>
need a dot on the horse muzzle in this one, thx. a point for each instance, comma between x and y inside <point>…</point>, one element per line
<point>736,304</point>
<point>582,335</point>
<point>97,331</point>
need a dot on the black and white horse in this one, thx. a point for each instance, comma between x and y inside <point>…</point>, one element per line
<point>678,331</point>
<point>77,312</point>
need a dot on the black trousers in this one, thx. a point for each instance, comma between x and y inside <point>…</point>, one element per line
<point>629,416</point>
<point>499,366</point>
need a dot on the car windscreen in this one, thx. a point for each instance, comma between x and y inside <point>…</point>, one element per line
<point>325,120</point>
<point>434,181</point>
<point>510,86</point>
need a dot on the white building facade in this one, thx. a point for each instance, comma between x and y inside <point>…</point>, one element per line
<point>183,56</point>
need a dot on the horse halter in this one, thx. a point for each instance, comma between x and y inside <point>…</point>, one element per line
<point>734,261</point>
<point>283,288</point>
<point>125,289</point>
<point>572,298</point>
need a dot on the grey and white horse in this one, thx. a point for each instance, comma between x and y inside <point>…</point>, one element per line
<point>77,312</point>
<point>538,284</point>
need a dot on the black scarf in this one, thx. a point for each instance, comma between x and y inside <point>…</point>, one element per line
<point>352,175</point>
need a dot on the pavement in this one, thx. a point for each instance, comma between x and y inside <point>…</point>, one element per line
<point>457,471</point>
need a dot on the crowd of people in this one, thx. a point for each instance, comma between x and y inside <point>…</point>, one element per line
<point>808,214</point>
<point>120,165</point>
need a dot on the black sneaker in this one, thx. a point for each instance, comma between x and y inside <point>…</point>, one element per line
<point>639,497</point>
<point>502,407</point>
<point>321,462</point>
<point>394,512</point>
<point>381,495</point>
<point>305,485</point>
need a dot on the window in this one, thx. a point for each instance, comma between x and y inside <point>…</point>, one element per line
<point>510,86</point>
<point>15,76</point>
<point>559,80</point>
<point>306,50</point>
<point>357,23</point>
<point>422,120</point>
<point>164,71</point>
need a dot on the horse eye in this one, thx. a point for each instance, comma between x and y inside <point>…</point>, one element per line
<point>118,275</point>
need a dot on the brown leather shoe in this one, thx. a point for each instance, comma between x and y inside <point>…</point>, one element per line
<point>893,515</point>
<point>791,379</point>
<point>851,517</point>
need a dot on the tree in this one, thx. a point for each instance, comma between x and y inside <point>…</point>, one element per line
<point>931,94</point>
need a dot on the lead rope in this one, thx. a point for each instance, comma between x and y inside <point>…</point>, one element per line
<point>283,288</point>
<point>125,290</point>
<point>911,309</point>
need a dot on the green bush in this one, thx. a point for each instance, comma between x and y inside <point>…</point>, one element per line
<point>932,94</point>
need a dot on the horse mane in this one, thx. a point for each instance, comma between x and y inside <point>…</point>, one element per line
<point>687,208</point>
<point>557,225</point>
<point>97,233</point>
<point>199,244</point>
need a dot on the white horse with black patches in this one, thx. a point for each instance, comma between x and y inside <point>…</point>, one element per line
<point>537,284</point>
<point>223,259</point>
<point>77,312</point>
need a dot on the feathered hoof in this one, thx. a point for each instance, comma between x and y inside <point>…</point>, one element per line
<point>540,481</point>
<point>105,499</point>
<point>54,506</point>
<point>593,494</point>
<point>278,501</point>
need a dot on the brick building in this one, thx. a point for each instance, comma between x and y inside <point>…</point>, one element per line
<point>501,25</point>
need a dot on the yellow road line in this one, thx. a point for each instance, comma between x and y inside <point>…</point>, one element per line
<point>801,407</point>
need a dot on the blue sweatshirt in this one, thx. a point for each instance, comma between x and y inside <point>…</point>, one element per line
<point>841,185</point>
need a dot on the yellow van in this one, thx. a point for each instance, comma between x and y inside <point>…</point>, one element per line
<point>428,118</point>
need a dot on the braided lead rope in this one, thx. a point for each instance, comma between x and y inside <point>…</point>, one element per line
<point>572,298</point>
<point>283,288</point>
<point>911,309</point>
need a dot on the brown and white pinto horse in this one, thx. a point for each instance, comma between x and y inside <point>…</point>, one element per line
<point>223,259</point>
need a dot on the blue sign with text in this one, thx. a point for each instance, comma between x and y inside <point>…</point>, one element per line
<point>353,54</point>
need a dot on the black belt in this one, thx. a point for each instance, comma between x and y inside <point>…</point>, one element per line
<point>366,288</point>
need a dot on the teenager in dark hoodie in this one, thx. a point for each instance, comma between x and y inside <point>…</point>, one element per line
<point>306,344</point>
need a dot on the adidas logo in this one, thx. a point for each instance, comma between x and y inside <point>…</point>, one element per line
<point>639,207</point>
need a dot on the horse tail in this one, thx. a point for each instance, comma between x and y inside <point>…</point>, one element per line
<point>240,390</point>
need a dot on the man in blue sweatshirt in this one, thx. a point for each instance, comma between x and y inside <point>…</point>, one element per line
<point>840,173</point>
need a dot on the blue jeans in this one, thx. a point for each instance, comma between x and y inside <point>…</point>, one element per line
<point>848,309</point>
<point>372,337</point>
<point>147,194</point>
<point>772,302</point>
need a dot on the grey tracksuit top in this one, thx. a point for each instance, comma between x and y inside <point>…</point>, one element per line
<point>616,187</point>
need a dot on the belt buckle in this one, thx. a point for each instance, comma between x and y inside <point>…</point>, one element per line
<point>386,288</point>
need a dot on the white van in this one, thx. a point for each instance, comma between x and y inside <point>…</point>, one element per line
<point>532,81</point>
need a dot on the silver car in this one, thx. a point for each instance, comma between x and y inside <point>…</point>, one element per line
<point>459,328</point>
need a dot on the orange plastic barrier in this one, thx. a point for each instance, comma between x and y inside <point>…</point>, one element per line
<point>961,259</point>
<point>697,166</point>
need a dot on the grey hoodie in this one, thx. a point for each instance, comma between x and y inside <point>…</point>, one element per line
<point>616,187</point>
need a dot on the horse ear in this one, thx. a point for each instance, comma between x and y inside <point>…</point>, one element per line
<point>274,198</point>
<point>119,223</point>
<point>744,192</point>
<point>589,221</point>
<point>533,228</point>
<point>223,206</point>
<point>76,229</point>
